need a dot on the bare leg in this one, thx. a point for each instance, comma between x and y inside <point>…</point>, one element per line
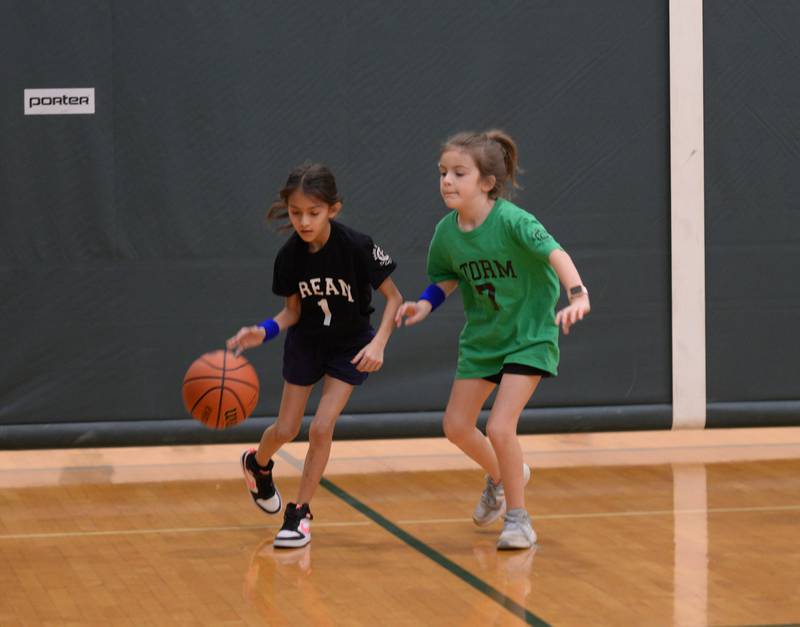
<point>514,393</point>
<point>335,395</point>
<point>467,396</point>
<point>287,426</point>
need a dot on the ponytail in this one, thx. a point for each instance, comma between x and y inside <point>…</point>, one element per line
<point>509,154</point>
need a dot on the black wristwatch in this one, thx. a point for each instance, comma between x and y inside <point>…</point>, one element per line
<point>577,290</point>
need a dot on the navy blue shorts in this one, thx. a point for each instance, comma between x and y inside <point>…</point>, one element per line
<point>306,360</point>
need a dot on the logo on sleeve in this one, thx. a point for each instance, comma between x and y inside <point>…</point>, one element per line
<point>380,256</point>
<point>541,235</point>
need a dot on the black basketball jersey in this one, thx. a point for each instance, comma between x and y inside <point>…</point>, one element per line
<point>335,283</point>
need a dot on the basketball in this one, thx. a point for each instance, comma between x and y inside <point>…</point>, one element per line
<point>220,390</point>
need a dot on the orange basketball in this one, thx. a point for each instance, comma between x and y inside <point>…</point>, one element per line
<point>220,390</point>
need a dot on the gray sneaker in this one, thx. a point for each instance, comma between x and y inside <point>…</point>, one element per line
<point>492,503</point>
<point>517,531</point>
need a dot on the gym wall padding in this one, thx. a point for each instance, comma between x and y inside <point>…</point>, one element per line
<point>133,240</point>
<point>752,136</point>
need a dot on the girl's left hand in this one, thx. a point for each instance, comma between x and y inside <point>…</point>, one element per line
<point>572,313</point>
<point>369,358</point>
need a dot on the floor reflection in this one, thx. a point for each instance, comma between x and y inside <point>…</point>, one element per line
<point>279,584</point>
<point>294,565</point>
<point>690,532</point>
<point>511,572</point>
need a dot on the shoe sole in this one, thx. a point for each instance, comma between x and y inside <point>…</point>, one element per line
<point>250,492</point>
<point>511,546</point>
<point>526,470</point>
<point>281,543</point>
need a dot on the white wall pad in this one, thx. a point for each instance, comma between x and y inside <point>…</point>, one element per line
<point>687,214</point>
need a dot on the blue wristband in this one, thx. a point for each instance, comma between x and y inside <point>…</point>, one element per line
<point>271,329</point>
<point>434,295</point>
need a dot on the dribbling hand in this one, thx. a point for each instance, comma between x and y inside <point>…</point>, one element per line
<point>247,337</point>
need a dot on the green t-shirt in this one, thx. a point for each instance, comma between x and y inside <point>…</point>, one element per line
<point>508,287</point>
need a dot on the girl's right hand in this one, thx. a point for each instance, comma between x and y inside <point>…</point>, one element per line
<point>247,337</point>
<point>413,312</point>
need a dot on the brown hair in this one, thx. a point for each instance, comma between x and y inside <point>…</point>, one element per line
<point>495,154</point>
<point>313,179</point>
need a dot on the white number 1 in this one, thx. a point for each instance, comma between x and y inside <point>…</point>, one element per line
<point>324,304</point>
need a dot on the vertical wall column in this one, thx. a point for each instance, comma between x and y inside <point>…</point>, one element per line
<point>688,214</point>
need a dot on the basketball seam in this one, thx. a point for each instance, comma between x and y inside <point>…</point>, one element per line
<point>216,378</point>
<point>202,396</point>
<point>222,385</point>
<point>208,363</point>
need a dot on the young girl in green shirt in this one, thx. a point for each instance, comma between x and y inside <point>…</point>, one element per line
<point>508,268</point>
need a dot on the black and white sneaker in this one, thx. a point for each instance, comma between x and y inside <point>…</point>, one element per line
<point>296,530</point>
<point>259,483</point>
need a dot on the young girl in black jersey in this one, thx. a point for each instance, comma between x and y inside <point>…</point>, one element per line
<point>326,272</point>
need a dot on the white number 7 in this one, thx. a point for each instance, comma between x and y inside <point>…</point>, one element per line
<point>324,305</point>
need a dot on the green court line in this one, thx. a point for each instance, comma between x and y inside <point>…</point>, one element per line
<point>481,586</point>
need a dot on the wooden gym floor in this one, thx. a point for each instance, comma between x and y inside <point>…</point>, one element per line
<point>649,528</point>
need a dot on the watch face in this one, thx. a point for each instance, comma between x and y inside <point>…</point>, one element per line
<point>578,289</point>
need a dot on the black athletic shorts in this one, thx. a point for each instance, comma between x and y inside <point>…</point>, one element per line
<point>517,369</point>
<point>306,360</point>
